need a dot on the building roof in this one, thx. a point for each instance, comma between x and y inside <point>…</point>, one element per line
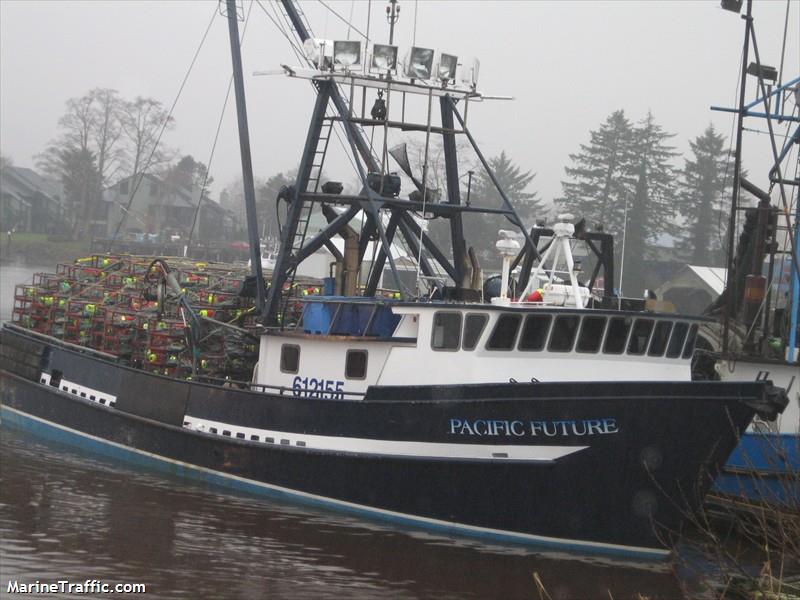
<point>24,183</point>
<point>185,195</point>
<point>713,277</point>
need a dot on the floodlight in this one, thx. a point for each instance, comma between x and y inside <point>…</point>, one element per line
<point>419,63</point>
<point>469,75</point>
<point>763,71</point>
<point>346,53</point>
<point>319,52</point>
<point>384,57</point>
<point>447,67</point>
<point>732,5</point>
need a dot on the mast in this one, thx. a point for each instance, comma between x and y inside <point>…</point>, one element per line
<point>737,166</point>
<point>247,165</point>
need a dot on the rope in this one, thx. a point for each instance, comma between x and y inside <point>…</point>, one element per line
<point>214,145</point>
<point>163,128</point>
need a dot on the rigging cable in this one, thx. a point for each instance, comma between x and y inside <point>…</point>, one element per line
<point>350,19</point>
<point>301,57</point>
<point>281,29</point>
<point>414,35</point>
<point>723,184</point>
<point>163,128</point>
<point>341,18</point>
<point>214,145</point>
<point>783,45</point>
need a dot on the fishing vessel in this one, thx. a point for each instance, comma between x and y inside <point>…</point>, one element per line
<point>533,407</point>
<point>756,334</point>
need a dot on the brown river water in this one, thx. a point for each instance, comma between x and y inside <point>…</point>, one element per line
<point>69,515</point>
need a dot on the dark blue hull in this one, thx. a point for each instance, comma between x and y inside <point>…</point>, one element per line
<point>592,467</point>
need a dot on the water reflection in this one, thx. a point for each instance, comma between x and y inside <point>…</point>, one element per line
<point>68,514</point>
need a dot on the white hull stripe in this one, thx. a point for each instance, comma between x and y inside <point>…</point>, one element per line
<point>80,390</point>
<point>390,515</point>
<point>541,453</point>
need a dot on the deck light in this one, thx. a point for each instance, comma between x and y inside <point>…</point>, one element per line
<point>765,72</point>
<point>384,57</point>
<point>419,63</point>
<point>469,75</point>
<point>346,54</point>
<point>319,52</point>
<point>446,70</point>
<point>732,5</point>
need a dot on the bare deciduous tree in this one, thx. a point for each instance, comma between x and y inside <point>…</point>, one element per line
<point>90,128</point>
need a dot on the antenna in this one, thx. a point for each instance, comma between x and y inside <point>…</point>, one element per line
<point>392,16</point>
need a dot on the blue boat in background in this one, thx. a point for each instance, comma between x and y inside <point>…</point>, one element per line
<point>756,334</point>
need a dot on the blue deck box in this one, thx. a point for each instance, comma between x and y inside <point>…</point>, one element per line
<point>349,316</point>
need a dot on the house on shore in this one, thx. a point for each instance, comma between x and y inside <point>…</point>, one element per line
<point>29,202</point>
<point>157,209</point>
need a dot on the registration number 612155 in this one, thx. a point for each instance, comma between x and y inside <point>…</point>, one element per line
<point>311,387</point>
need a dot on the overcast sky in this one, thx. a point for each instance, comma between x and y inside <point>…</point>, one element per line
<point>568,65</point>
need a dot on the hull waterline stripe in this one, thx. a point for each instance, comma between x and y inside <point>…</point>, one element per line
<point>76,389</point>
<point>538,453</point>
<point>31,422</point>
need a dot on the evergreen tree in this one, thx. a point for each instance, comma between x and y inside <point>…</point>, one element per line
<point>702,200</point>
<point>601,177</point>
<point>651,207</point>
<point>480,231</point>
<point>80,176</point>
<point>623,180</point>
<point>271,212</point>
<point>189,174</point>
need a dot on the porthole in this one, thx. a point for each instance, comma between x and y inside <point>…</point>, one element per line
<point>565,328</point>
<point>617,335</point>
<point>474,324</point>
<point>676,341</point>
<point>591,335</point>
<point>290,358</point>
<point>660,337</point>
<point>356,364</point>
<point>446,334</point>
<point>640,336</point>
<point>534,332</point>
<point>505,332</point>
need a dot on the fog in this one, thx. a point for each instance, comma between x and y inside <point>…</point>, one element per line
<point>567,64</point>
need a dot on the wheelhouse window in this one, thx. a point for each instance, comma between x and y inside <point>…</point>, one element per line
<point>356,364</point>
<point>534,333</point>
<point>618,328</point>
<point>676,341</point>
<point>689,347</point>
<point>640,336</point>
<point>290,358</point>
<point>591,335</point>
<point>660,337</point>
<point>474,324</point>
<point>446,331</point>
<point>505,332</point>
<point>564,330</point>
